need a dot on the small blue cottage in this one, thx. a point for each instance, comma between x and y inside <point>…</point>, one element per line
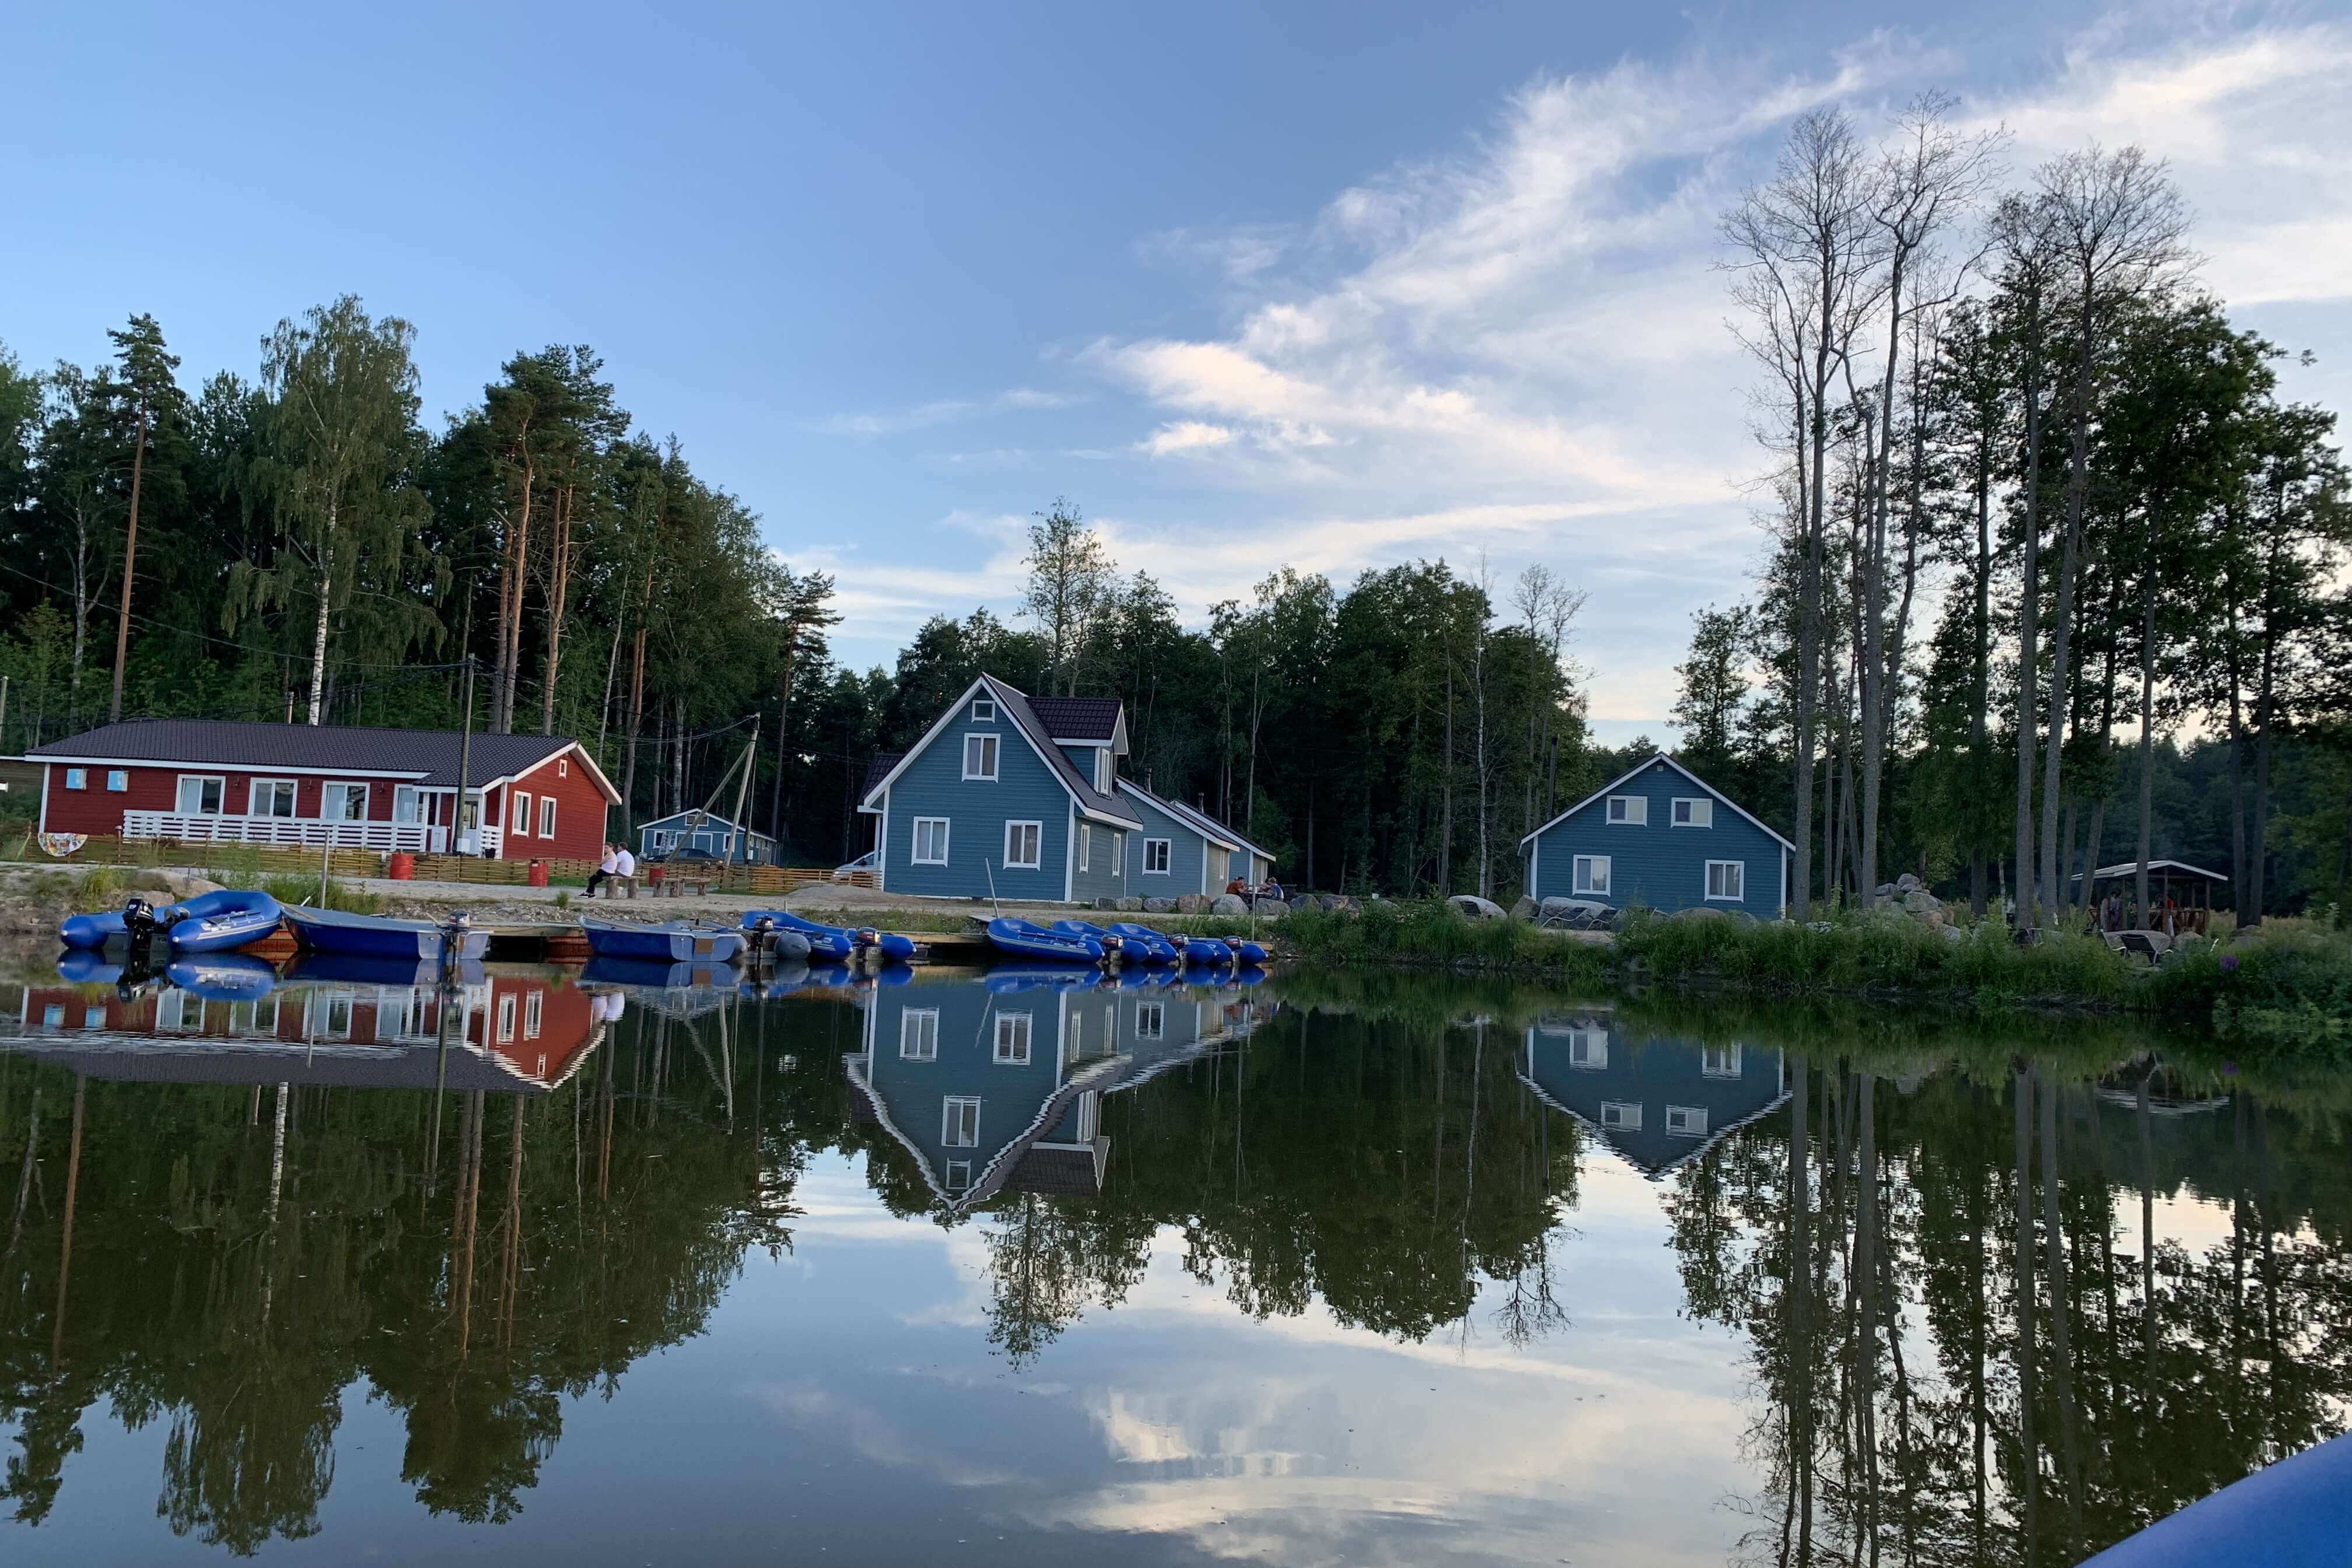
<point>1182,849</point>
<point>712,834</point>
<point>1008,796</point>
<point>1663,838</point>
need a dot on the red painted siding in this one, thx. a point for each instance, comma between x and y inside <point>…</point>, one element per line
<point>97,809</point>
<point>580,809</point>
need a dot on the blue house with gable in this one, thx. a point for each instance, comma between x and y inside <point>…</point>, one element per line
<point>1007,796</point>
<point>1182,849</point>
<point>1663,838</point>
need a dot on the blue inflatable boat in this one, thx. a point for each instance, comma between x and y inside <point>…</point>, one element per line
<point>1206,950</point>
<point>830,941</point>
<point>222,977</point>
<point>1154,946</point>
<point>376,936</point>
<point>672,941</point>
<point>1022,939</point>
<point>218,922</point>
<point>2296,1514</point>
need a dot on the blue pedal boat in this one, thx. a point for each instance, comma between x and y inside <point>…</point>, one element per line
<point>831,941</point>
<point>222,977</point>
<point>672,941</point>
<point>1023,939</point>
<point>378,936</point>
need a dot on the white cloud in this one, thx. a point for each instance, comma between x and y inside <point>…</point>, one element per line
<point>1185,436</point>
<point>942,411</point>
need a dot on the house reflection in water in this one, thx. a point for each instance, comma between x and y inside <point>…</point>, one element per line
<point>1657,1100</point>
<point>508,1034</point>
<point>998,1087</point>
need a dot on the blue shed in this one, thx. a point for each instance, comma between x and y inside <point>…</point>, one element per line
<point>1658,1100</point>
<point>713,834</point>
<point>1007,796</point>
<point>1182,849</point>
<point>1663,838</point>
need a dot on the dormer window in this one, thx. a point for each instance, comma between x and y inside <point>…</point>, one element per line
<point>1629,810</point>
<point>983,711</point>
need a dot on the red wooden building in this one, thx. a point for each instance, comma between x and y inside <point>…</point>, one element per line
<point>529,796</point>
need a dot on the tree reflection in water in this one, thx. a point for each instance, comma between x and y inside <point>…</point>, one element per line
<point>2005,1292</point>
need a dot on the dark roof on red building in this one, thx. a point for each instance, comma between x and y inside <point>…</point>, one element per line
<point>428,757</point>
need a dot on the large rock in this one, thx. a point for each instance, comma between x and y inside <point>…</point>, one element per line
<point>1132,905</point>
<point>1525,909</point>
<point>1472,907</point>
<point>1230,906</point>
<point>1303,902</point>
<point>1909,883</point>
<point>1106,905</point>
<point>1920,901</point>
<point>1194,903</point>
<point>1161,906</point>
<point>173,885</point>
<point>1266,909</point>
<point>1702,913</point>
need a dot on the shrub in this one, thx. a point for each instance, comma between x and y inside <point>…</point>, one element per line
<point>341,895</point>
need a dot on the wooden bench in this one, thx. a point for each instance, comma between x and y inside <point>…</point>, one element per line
<point>673,886</point>
<point>613,886</point>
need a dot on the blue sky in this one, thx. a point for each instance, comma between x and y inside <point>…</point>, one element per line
<point>1332,286</point>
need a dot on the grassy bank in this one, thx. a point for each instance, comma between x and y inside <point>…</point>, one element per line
<point>2287,986</point>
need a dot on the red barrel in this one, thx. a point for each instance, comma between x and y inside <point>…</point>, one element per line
<point>401,866</point>
<point>537,874</point>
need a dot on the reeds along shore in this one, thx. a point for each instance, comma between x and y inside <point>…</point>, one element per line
<point>2286,986</point>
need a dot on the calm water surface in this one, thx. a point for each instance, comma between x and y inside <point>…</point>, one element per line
<point>1390,1270</point>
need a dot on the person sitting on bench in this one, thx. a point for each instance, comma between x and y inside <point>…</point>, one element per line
<point>617,863</point>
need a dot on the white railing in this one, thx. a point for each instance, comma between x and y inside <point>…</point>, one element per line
<point>414,836</point>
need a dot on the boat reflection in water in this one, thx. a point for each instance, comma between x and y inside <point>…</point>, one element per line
<point>349,1022</point>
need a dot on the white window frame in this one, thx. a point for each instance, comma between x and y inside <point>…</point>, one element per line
<point>520,814</point>
<point>1621,1115</point>
<point>1102,770</point>
<point>1588,1050</point>
<point>547,818</point>
<point>1086,845</point>
<point>957,1176</point>
<point>1151,1020</point>
<point>1719,1061</point>
<point>940,826</point>
<point>1013,1044</point>
<point>990,747</point>
<point>77,778</point>
<point>506,1018</point>
<point>953,1131</point>
<point>919,1034</point>
<point>1037,836</point>
<point>220,794</point>
<point>118,780</point>
<point>1737,880</point>
<point>343,789</point>
<point>983,710</point>
<point>1636,808</point>
<point>1582,881</point>
<point>1161,849</point>
<point>253,791</point>
<point>409,804</point>
<point>1118,853</point>
<point>534,1013</point>
<point>563,767</point>
<point>1700,813</point>
<point>1687,1120</point>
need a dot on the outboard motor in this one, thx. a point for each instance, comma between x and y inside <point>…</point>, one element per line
<point>764,934</point>
<point>139,923</point>
<point>453,945</point>
<point>1113,945</point>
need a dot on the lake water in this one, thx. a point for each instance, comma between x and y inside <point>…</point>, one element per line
<point>1388,1270</point>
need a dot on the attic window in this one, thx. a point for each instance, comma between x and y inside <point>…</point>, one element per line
<point>1694,812</point>
<point>1687,1120</point>
<point>1630,810</point>
<point>983,711</point>
<point>563,767</point>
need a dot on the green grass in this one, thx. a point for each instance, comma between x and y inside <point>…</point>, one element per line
<point>298,891</point>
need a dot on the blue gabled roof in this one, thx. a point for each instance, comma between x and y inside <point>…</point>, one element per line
<point>1645,763</point>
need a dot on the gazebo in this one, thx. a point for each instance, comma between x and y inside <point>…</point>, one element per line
<point>2179,896</point>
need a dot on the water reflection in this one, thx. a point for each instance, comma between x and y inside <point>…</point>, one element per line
<point>1956,1294</point>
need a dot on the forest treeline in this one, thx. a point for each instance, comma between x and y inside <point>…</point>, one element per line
<point>2035,506</point>
<point>2053,576</point>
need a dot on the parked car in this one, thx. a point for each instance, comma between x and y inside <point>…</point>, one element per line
<point>686,855</point>
<point>865,862</point>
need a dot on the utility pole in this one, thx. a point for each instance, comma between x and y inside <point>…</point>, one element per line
<point>464,759</point>
<point>130,553</point>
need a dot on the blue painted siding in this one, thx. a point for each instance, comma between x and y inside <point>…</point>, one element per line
<point>1657,865</point>
<point>1024,789</point>
<point>914,1089</point>
<point>1099,881</point>
<point>1583,1063</point>
<point>1186,852</point>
